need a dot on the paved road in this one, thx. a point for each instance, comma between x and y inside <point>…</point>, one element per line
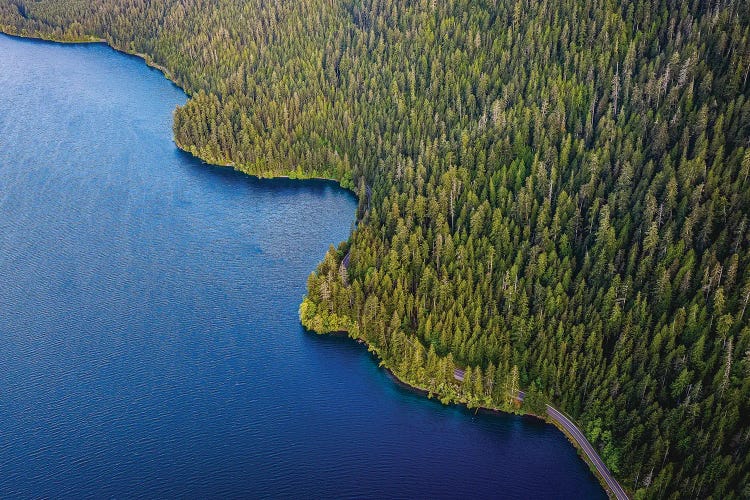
<point>574,431</point>
<point>569,426</point>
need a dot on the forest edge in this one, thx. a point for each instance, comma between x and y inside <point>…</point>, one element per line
<point>610,485</point>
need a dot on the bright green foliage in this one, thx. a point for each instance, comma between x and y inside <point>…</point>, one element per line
<point>534,401</point>
<point>559,186</point>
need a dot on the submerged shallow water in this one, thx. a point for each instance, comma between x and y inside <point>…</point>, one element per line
<point>149,339</point>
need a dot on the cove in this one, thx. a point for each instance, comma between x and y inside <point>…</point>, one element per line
<point>149,338</point>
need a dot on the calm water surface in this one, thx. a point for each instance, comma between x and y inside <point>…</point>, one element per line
<point>149,340</point>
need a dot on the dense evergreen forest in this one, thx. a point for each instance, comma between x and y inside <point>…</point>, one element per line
<point>554,194</point>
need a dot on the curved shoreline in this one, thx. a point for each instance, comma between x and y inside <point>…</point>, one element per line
<point>596,465</point>
<point>168,75</point>
<point>93,40</point>
<point>260,176</point>
<point>382,363</point>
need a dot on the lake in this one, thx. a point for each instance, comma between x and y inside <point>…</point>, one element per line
<point>149,338</point>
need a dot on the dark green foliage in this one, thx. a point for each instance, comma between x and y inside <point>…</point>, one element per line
<point>554,194</point>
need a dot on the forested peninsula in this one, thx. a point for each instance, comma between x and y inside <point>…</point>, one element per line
<point>554,194</point>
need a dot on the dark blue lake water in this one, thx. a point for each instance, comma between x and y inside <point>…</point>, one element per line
<point>149,339</point>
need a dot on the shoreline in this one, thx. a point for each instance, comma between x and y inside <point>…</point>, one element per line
<point>262,176</point>
<point>168,75</point>
<point>381,361</point>
<point>94,40</point>
<point>483,409</point>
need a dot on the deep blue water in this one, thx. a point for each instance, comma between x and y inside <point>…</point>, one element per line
<point>149,339</point>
